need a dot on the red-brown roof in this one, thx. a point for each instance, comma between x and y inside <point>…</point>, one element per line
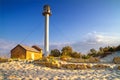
<point>29,48</point>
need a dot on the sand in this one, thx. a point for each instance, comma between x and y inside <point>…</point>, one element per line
<point>20,70</point>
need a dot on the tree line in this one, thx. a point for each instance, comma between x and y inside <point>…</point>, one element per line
<point>101,52</point>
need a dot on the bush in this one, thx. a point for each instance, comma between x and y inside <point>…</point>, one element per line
<point>116,60</point>
<point>85,56</point>
<point>55,53</point>
<point>105,54</point>
<point>93,52</point>
<point>118,48</point>
<point>75,55</point>
<point>67,51</point>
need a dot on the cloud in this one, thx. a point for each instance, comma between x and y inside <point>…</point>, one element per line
<point>96,40</point>
<point>90,40</point>
<point>95,37</point>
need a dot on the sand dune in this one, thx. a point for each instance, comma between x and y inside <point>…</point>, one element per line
<point>20,70</point>
<point>109,58</point>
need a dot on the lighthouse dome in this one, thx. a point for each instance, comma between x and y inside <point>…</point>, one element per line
<point>46,10</point>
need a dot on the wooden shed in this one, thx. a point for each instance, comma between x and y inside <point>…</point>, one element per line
<point>26,52</point>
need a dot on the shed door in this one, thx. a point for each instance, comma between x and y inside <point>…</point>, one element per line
<point>32,55</point>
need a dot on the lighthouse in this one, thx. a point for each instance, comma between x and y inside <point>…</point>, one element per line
<point>46,13</point>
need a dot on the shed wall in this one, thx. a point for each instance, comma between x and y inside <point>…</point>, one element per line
<point>33,55</point>
<point>18,52</point>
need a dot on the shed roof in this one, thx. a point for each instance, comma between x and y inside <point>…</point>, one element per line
<point>29,48</point>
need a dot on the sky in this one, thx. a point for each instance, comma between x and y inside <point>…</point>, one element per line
<point>82,24</point>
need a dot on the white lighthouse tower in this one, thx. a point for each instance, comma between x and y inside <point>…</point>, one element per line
<point>46,13</point>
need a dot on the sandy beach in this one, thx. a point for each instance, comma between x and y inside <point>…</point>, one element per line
<point>20,70</point>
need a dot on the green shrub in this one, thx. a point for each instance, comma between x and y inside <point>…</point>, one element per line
<point>85,56</point>
<point>55,53</point>
<point>67,51</point>
<point>75,55</point>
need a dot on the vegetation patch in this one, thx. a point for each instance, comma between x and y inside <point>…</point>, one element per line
<point>81,66</point>
<point>48,62</point>
<point>116,60</point>
<point>90,60</point>
<point>91,56</point>
<point>69,66</point>
<point>65,58</point>
<point>100,66</point>
<point>118,68</point>
<point>76,66</point>
<point>3,60</point>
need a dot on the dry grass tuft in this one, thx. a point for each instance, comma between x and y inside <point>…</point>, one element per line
<point>116,60</point>
<point>3,60</point>
<point>65,58</point>
<point>90,60</point>
<point>100,66</point>
<point>48,62</point>
<point>118,68</point>
<point>76,66</point>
